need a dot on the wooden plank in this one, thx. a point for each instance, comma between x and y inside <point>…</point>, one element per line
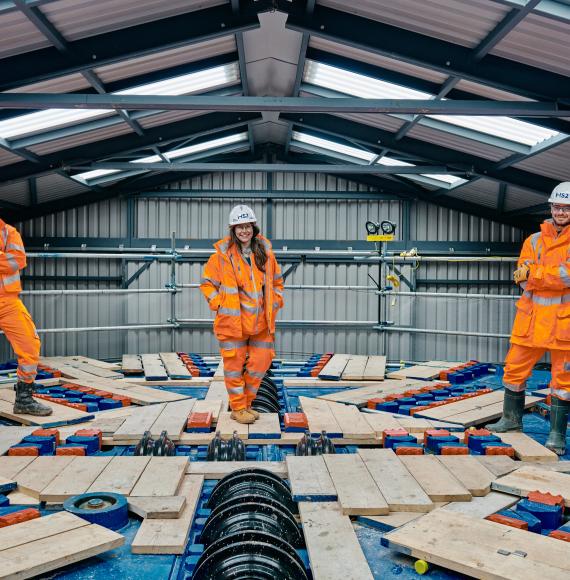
<point>527,449</point>
<point>390,521</point>
<point>74,479</point>
<point>530,478</point>
<point>219,372</point>
<point>227,426</point>
<point>351,421</point>
<point>435,479</point>
<point>480,548</point>
<point>190,383</point>
<point>310,479</point>
<point>316,383</point>
<point>380,421</point>
<point>41,472</point>
<point>354,369</point>
<point>333,370</point>
<point>357,492</point>
<point>154,508</point>
<point>153,367</point>
<point>169,536</point>
<point>498,464</point>
<point>474,476</point>
<point>120,475</point>
<point>132,364</point>
<point>398,486</point>
<point>175,368</point>
<point>94,370</point>
<point>44,527</point>
<point>162,476</point>
<point>20,498</point>
<point>266,427</point>
<point>98,363</point>
<point>334,550</point>
<point>444,412</point>
<point>12,436</point>
<point>173,419</point>
<point>360,397</point>
<point>211,405</point>
<point>416,372</point>
<point>11,466</point>
<point>61,415</point>
<point>218,392</point>
<point>375,368</point>
<point>319,417</point>
<point>483,506</point>
<point>219,469</point>
<point>139,422</point>
<point>41,556</point>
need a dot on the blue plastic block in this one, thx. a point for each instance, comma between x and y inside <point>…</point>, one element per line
<point>91,443</point>
<point>109,404</point>
<point>468,374</point>
<point>440,445</point>
<point>440,392</point>
<point>73,394</point>
<point>433,441</point>
<point>91,407</point>
<point>92,399</point>
<point>475,442</point>
<point>390,440</point>
<point>4,501</point>
<point>455,378</point>
<point>73,400</point>
<point>47,444</point>
<point>406,401</point>
<point>405,409</point>
<point>388,407</point>
<point>550,516</point>
<point>565,528</point>
<point>423,397</point>
<point>533,522</point>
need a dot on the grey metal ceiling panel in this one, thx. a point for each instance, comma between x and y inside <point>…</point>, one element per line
<point>481,191</point>
<point>17,192</point>
<point>270,133</point>
<point>376,60</point>
<point>65,84</point>
<point>19,35</point>
<point>7,158</point>
<point>553,163</point>
<point>458,143</point>
<point>167,59</point>
<point>271,77</point>
<point>169,117</point>
<point>464,22</point>
<point>55,186</point>
<point>379,121</point>
<point>81,139</point>
<point>540,42</point>
<point>488,92</point>
<point>517,198</point>
<point>77,19</point>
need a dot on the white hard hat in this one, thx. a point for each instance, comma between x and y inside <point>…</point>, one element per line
<point>561,194</point>
<point>241,214</point>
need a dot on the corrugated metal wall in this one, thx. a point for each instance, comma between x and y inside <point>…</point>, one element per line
<point>205,218</point>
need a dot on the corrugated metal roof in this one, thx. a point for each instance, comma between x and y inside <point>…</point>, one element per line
<point>376,60</point>
<point>55,186</point>
<point>16,192</point>
<point>77,19</point>
<point>538,41</point>
<point>7,158</point>
<point>270,132</point>
<point>464,22</point>
<point>65,84</point>
<point>481,191</point>
<point>81,139</point>
<point>517,198</point>
<point>553,163</point>
<point>488,92</point>
<point>19,35</point>
<point>167,59</point>
<point>379,121</point>
<point>452,141</point>
<point>169,117</point>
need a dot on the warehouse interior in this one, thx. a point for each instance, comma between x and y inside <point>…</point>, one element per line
<point>128,132</point>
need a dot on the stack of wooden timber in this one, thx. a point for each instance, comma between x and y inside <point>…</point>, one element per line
<point>350,367</point>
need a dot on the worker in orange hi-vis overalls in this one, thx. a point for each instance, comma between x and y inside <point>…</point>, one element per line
<point>242,283</point>
<point>542,322</point>
<point>16,322</point>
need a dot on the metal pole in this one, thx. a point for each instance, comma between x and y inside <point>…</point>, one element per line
<point>103,328</point>
<point>304,287</point>
<point>285,323</point>
<point>447,332</point>
<point>172,288</point>
<point>454,295</point>
<point>74,291</point>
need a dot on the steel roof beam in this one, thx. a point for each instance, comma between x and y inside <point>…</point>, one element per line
<point>282,104</point>
<point>127,43</point>
<point>428,52</point>
<point>552,9</point>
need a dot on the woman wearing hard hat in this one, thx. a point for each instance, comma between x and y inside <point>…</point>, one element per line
<point>243,284</point>
<point>542,322</point>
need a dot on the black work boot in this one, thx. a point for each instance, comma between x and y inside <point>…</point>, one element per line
<point>25,404</point>
<point>558,424</point>
<point>513,408</point>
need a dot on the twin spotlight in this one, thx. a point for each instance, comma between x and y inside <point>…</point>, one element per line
<point>383,228</point>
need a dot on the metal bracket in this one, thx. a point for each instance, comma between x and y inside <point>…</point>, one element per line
<point>138,273</point>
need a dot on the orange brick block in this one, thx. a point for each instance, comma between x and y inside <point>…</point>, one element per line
<point>29,451</point>
<point>19,517</point>
<point>475,432</point>
<point>455,451</point>
<point>505,520</point>
<point>103,394</point>
<point>47,433</point>
<point>546,498</point>
<point>91,433</point>
<point>500,451</point>
<point>125,401</point>
<point>435,433</point>
<point>557,534</point>
<point>70,451</point>
<point>409,451</point>
<point>371,403</point>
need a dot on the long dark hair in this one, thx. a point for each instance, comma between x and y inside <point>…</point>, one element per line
<point>257,248</point>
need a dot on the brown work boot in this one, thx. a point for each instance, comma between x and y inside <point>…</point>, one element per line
<point>253,412</point>
<point>242,416</point>
<point>25,404</point>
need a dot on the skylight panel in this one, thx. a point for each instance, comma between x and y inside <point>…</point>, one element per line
<point>41,121</point>
<point>358,85</point>
<point>88,176</point>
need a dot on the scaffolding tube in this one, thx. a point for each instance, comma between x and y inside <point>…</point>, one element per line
<point>75,291</point>
<point>302,287</point>
<point>451,295</point>
<point>105,256</point>
<point>285,323</point>
<point>437,331</point>
<point>104,328</point>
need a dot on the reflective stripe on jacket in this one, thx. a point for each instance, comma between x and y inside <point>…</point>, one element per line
<point>543,311</point>
<point>241,294</point>
<point>12,259</point>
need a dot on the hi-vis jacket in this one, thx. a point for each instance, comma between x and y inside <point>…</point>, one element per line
<point>245,299</point>
<point>543,311</point>
<point>12,260</point>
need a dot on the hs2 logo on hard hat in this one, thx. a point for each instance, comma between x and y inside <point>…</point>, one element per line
<point>564,195</point>
<point>242,216</point>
